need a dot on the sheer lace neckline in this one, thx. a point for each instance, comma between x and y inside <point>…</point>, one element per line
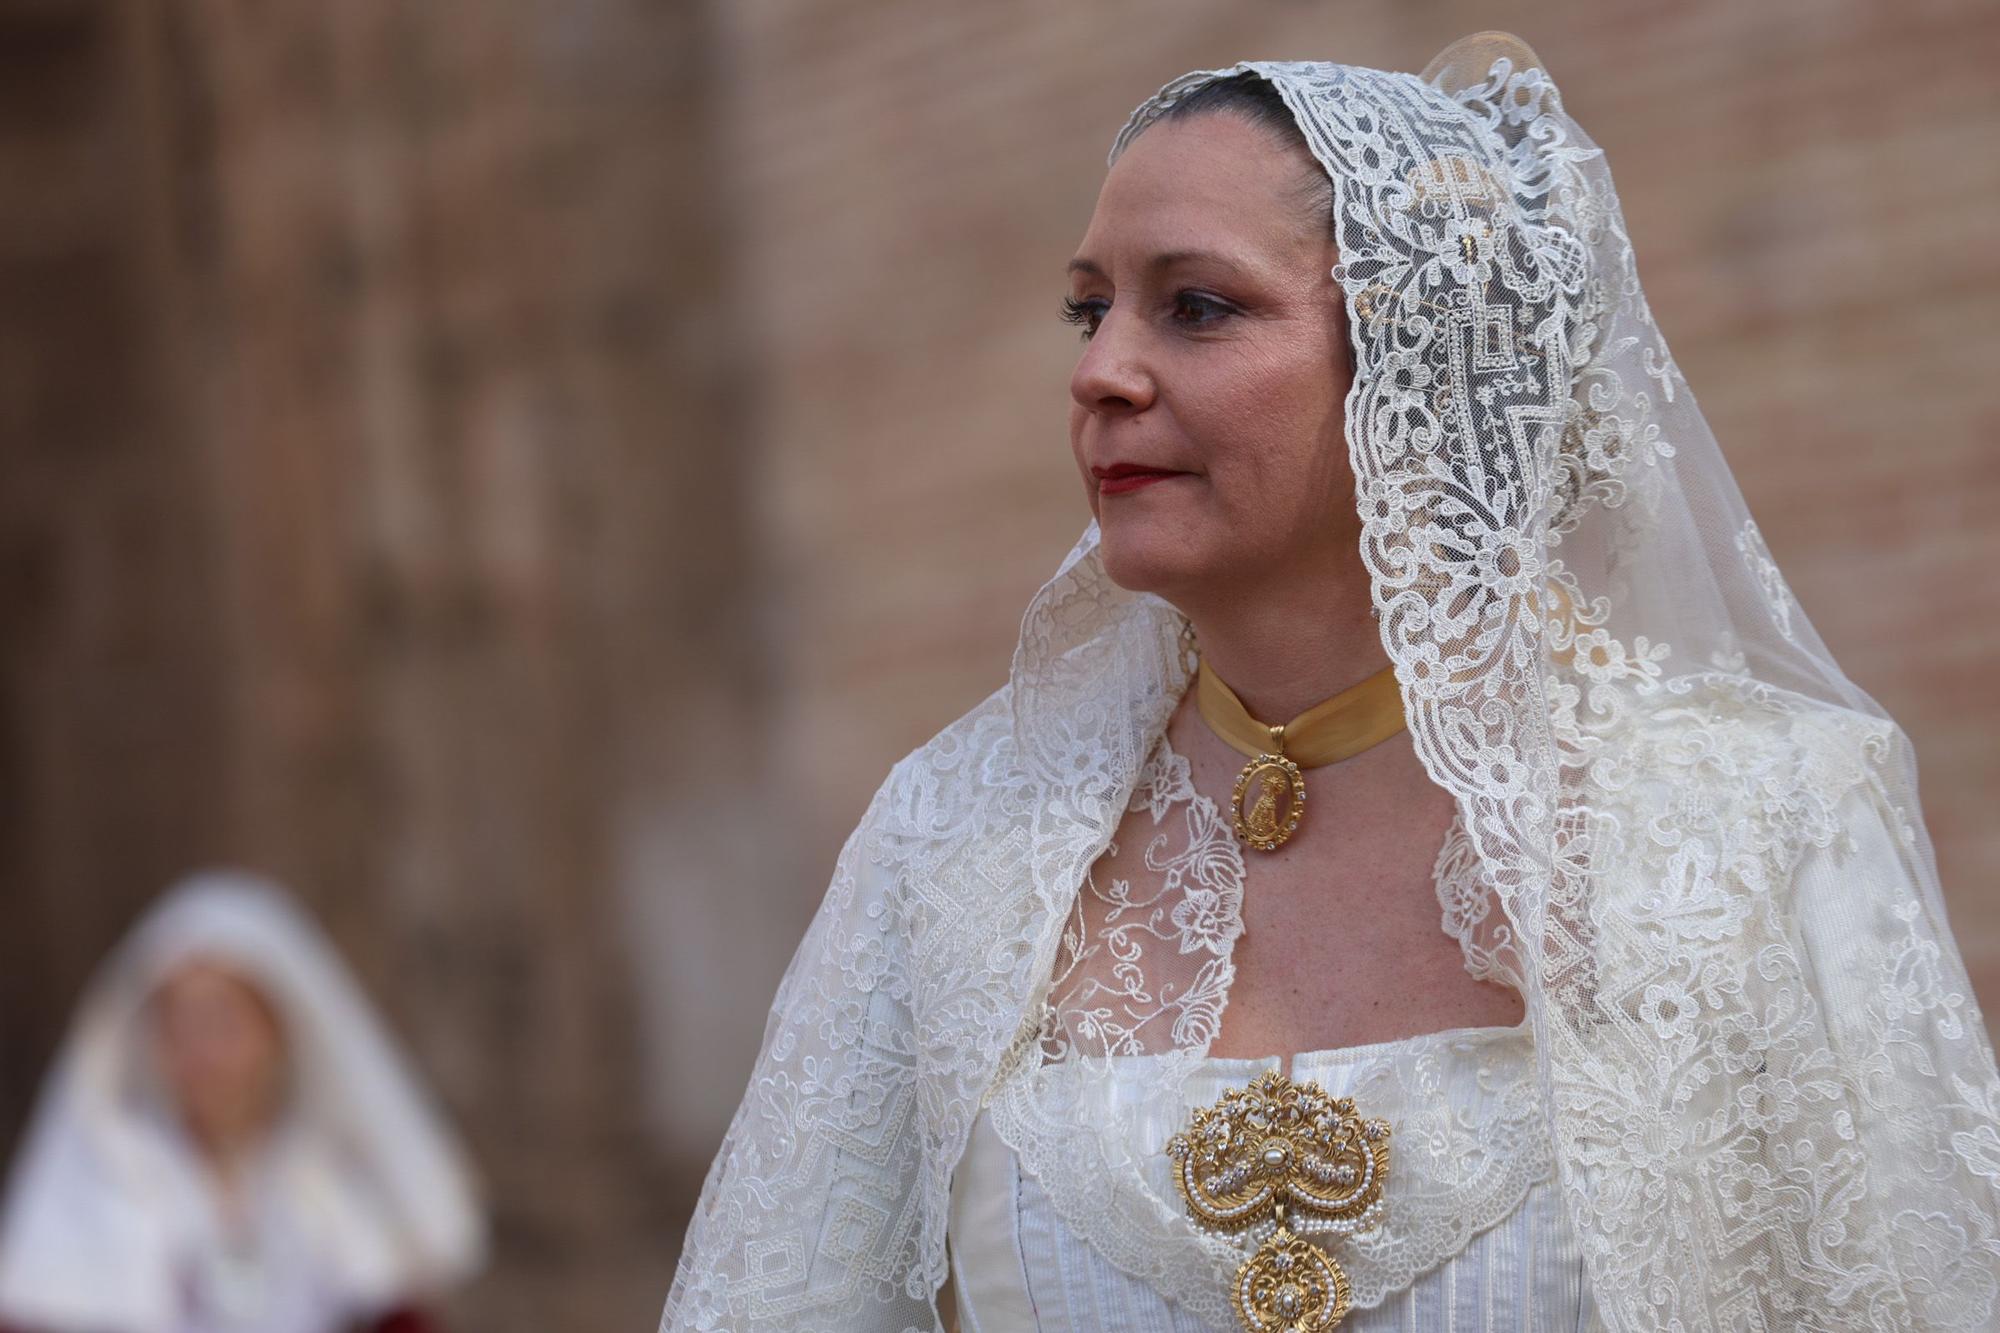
<point>1146,961</point>
<point>1141,979</point>
<point>1447,890</point>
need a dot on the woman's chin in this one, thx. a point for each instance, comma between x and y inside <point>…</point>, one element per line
<point>1147,560</point>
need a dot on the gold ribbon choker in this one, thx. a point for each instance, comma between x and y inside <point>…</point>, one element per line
<point>1284,1158</point>
<point>1273,783</point>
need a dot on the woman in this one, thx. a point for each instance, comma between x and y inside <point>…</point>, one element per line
<point>230,1144</point>
<point>1416,586</point>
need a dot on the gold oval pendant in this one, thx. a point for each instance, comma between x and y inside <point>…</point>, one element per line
<point>1275,792</point>
<point>1290,1286</point>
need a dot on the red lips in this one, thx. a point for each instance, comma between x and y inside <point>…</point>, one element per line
<point>1122,477</point>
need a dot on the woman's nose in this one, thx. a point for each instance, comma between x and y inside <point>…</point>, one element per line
<point>1111,376</point>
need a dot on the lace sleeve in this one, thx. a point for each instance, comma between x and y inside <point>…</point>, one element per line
<point>1818,1094</point>
<point>1901,1018</point>
<point>807,1218</point>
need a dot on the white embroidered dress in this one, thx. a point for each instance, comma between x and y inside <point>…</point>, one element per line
<point>1473,1237</point>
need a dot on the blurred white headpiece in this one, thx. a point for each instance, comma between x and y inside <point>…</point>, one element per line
<point>1769,1094</point>
<point>106,1198</point>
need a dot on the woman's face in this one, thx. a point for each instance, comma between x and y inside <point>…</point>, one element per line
<point>220,1051</point>
<point>1216,363</point>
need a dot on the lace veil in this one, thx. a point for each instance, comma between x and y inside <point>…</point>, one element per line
<point>1759,1074</point>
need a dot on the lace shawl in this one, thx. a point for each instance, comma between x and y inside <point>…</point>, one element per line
<point>1767,1089</point>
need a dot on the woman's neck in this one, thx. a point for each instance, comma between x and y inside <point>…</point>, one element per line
<point>229,1151</point>
<point>1284,652</point>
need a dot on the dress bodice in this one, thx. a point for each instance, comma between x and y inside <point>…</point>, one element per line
<point>1474,1235</point>
<point>1064,1213</point>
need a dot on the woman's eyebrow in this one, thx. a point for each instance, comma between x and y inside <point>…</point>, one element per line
<point>1164,260</point>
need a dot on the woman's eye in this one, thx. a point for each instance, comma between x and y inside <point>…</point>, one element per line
<point>1086,315</point>
<point>1198,311</point>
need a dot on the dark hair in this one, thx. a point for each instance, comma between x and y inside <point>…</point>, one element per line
<point>1257,100</point>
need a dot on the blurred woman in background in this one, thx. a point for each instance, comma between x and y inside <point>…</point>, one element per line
<point>230,1142</point>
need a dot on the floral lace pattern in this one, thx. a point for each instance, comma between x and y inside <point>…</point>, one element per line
<point>1145,960</point>
<point>1777,596</point>
<point>1768,1091</point>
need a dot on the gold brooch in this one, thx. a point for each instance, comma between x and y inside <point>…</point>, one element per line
<point>1287,1157</point>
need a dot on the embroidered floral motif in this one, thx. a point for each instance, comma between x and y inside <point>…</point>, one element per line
<point>1771,583</point>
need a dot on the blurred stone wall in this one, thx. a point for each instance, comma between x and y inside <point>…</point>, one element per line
<point>521,472</point>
